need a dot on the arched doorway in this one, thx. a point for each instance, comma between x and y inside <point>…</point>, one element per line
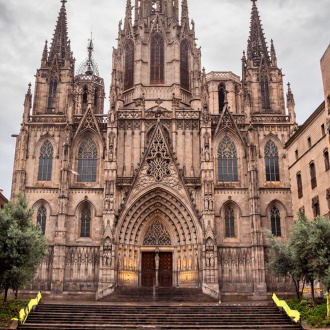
<point>159,241</point>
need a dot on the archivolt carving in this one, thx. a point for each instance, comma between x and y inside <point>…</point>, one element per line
<point>161,204</point>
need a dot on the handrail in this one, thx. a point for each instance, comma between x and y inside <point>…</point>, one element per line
<point>293,314</point>
<point>24,312</point>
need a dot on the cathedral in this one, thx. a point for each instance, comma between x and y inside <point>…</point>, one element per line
<point>171,185</point>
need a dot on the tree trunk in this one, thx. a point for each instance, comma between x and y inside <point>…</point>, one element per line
<point>312,292</point>
<point>16,294</point>
<point>328,302</point>
<point>296,284</point>
<point>6,294</point>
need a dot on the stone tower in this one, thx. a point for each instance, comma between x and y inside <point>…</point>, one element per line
<point>173,186</point>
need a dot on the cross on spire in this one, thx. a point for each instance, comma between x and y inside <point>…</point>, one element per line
<point>254,2</point>
<point>64,2</point>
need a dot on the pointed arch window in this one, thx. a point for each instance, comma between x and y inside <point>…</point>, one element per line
<point>271,162</point>
<point>52,94</point>
<point>227,161</point>
<point>129,65</point>
<point>87,161</point>
<point>157,59</point>
<point>85,95</point>
<point>230,221</point>
<point>184,65</point>
<point>46,162</point>
<point>275,219</point>
<point>221,96</point>
<point>264,88</point>
<point>41,218</point>
<point>85,221</point>
<point>96,93</point>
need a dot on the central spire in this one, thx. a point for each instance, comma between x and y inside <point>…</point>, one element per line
<point>60,46</point>
<point>257,46</point>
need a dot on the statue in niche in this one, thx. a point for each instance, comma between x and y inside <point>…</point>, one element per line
<point>207,154</point>
<point>107,252</point>
<point>157,260</point>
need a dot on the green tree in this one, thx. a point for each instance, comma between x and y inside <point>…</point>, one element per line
<point>283,263</point>
<point>22,246</point>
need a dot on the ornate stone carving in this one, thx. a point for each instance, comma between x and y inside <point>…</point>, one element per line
<point>157,235</point>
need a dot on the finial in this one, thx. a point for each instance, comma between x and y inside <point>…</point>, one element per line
<point>254,2</point>
<point>63,2</point>
<point>289,87</point>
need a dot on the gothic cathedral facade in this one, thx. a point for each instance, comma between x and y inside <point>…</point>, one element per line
<point>175,183</point>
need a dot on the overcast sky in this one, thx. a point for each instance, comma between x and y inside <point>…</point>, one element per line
<point>300,30</point>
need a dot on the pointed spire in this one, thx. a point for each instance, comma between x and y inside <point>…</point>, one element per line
<point>273,54</point>
<point>89,66</point>
<point>45,54</point>
<point>290,97</point>
<point>128,11</point>
<point>185,12</point>
<point>257,46</point>
<point>60,46</point>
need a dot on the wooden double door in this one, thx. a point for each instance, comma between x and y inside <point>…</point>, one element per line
<point>148,271</point>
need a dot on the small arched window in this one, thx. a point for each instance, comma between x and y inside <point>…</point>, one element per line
<point>45,162</point>
<point>313,174</point>
<point>271,162</point>
<point>227,161</point>
<point>222,96</point>
<point>326,159</point>
<point>275,218</point>
<point>52,94</point>
<point>157,59</point>
<point>230,221</point>
<point>264,88</point>
<point>299,185</point>
<point>41,218</point>
<point>129,65</point>
<point>87,161</point>
<point>184,65</point>
<point>85,221</point>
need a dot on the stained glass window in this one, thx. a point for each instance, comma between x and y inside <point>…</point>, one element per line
<point>271,162</point>
<point>87,161</point>
<point>227,161</point>
<point>45,162</point>
<point>157,59</point>
<point>184,65</point>
<point>275,219</point>
<point>230,221</point>
<point>157,235</point>
<point>129,65</point>
<point>85,223</point>
<point>41,218</point>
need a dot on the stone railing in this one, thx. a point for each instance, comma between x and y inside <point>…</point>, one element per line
<point>222,75</point>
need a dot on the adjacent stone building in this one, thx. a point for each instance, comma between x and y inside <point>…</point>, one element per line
<point>173,185</point>
<point>3,199</point>
<point>308,151</point>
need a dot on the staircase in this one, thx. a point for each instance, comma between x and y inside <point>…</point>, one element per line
<point>145,294</point>
<point>168,309</point>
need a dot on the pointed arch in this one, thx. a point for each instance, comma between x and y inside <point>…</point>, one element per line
<point>157,59</point>
<point>184,65</point>
<point>129,65</point>
<point>87,161</point>
<point>227,161</point>
<point>157,235</point>
<point>46,161</point>
<point>272,162</point>
<point>229,221</point>
<point>85,95</point>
